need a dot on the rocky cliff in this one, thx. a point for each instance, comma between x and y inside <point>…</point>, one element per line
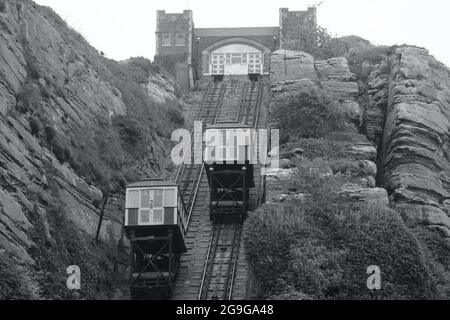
<point>397,102</point>
<point>293,72</point>
<point>364,178</point>
<point>416,143</point>
<point>407,114</point>
<point>74,128</point>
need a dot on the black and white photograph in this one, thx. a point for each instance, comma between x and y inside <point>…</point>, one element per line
<point>224,158</point>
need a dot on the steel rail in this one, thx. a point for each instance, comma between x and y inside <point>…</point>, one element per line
<point>236,259</point>
<point>212,248</point>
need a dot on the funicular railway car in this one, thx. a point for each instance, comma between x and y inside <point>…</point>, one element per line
<point>155,224</point>
<point>230,170</point>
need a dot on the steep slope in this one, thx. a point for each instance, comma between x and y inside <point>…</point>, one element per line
<point>407,114</point>
<point>365,178</point>
<point>74,128</point>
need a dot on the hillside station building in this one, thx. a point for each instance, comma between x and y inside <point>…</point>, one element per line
<point>197,53</point>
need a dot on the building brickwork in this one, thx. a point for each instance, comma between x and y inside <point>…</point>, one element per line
<point>191,49</point>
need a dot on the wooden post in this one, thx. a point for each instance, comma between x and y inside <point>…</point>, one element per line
<point>211,171</point>
<point>244,190</point>
<point>132,266</point>
<point>171,260</point>
<point>102,213</point>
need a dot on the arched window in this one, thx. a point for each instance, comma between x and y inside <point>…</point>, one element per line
<point>236,59</point>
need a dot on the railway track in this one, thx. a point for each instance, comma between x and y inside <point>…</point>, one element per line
<point>188,176</point>
<point>249,107</point>
<point>221,263</point>
<point>214,268</point>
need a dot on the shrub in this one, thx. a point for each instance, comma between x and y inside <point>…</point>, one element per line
<point>175,115</point>
<point>142,63</point>
<point>307,115</point>
<point>321,246</point>
<point>373,55</point>
<point>58,150</point>
<point>32,64</point>
<point>12,284</point>
<point>130,130</point>
<point>293,246</point>
<point>50,133</point>
<point>318,148</point>
<point>314,40</point>
<point>35,125</point>
<point>66,246</point>
<point>437,252</point>
<point>2,6</point>
<point>45,92</point>
<point>28,97</point>
<point>168,63</point>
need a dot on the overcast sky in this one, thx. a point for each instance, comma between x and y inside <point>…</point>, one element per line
<point>127,28</point>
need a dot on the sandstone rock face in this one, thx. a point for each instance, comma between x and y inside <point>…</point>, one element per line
<point>336,78</point>
<point>160,88</point>
<point>39,53</point>
<point>289,65</point>
<point>416,148</point>
<point>334,69</point>
<point>357,193</point>
<point>377,100</point>
<point>293,71</point>
<point>340,84</point>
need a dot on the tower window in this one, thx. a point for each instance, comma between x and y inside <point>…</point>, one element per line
<point>180,40</point>
<point>166,40</point>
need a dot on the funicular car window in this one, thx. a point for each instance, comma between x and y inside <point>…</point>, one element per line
<point>145,198</point>
<point>145,216</point>
<point>158,198</point>
<point>170,198</point>
<point>157,206</point>
<point>133,199</point>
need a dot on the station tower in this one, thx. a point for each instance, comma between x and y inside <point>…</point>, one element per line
<point>198,53</point>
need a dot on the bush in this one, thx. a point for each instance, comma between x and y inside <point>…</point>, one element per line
<point>290,245</point>
<point>130,131</point>
<point>50,133</point>
<point>2,6</point>
<point>437,252</point>
<point>321,246</point>
<point>373,55</point>
<point>11,283</point>
<point>168,63</point>
<point>307,115</point>
<point>67,246</point>
<point>28,97</point>
<point>175,115</point>
<point>35,125</point>
<point>314,40</point>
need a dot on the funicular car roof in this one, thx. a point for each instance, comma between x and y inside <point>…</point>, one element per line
<point>152,183</point>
